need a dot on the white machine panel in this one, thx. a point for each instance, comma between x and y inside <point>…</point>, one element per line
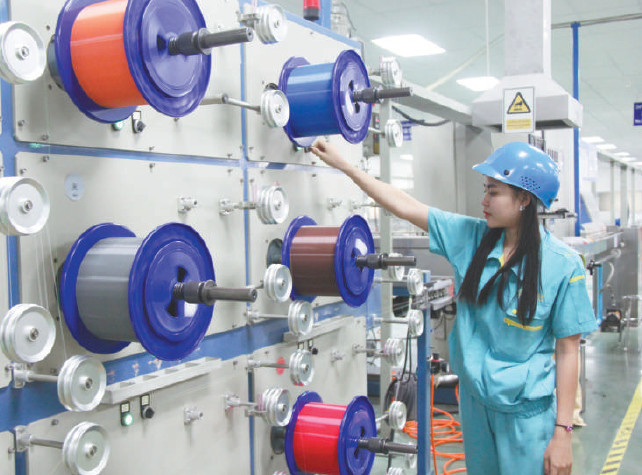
<point>140,195</point>
<point>218,443</point>
<point>337,382</point>
<point>45,113</point>
<point>5,376</point>
<point>263,66</point>
<point>7,459</point>
<point>308,194</point>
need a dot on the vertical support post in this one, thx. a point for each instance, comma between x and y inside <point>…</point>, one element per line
<point>576,132</point>
<point>624,196</point>
<point>423,401</point>
<point>612,192</point>
<point>633,203</point>
<point>385,232</point>
<point>599,301</point>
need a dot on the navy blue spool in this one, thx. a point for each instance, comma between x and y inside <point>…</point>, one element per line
<point>171,252</point>
<point>173,85</point>
<point>320,99</point>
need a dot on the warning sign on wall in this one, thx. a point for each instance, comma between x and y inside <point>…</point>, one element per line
<point>519,110</point>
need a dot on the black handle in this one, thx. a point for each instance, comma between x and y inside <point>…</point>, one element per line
<point>208,292</point>
<point>383,261</point>
<point>384,446</point>
<point>372,95</point>
<point>201,41</point>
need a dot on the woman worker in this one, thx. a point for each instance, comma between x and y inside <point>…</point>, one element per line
<point>521,299</point>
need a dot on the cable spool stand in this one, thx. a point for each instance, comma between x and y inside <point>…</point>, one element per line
<point>112,56</point>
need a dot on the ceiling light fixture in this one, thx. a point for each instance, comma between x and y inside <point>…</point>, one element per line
<point>478,84</point>
<point>409,45</point>
<point>606,146</point>
<point>593,139</point>
<point>622,154</point>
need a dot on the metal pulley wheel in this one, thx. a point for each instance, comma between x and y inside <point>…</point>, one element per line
<point>27,333</point>
<point>81,383</point>
<point>272,26</point>
<point>22,53</point>
<point>395,471</point>
<point>301,367</point>
<point>272,205</point>
<point>394,133</point>
<point>397,415</point>
<point>391,75</point>
<point>410,461</point>
<point>415,282</point>
<point>300,317</point>
<point>275,109</point>
<point>277,282</point>
<point>395,272</point>
<point>24,206</point>
<point>275,403</point>
<point>86,448</point>
<point>393,351</point>
<point>415,322</point>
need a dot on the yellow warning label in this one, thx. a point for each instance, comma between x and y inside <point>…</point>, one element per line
<point>518,124</point>
<point>518,106</point>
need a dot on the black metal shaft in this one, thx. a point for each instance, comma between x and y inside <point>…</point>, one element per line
<point>384,446</point>
<point>208,292</point>
<point>372,95</point>
<point>201,41</point>
<point>383,261</point>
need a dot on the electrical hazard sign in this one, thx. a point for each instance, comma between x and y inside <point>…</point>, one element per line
<point>519,110</point>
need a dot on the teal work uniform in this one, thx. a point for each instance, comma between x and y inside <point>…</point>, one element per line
<point>506,370</point>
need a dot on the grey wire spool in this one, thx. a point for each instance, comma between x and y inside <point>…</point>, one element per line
<point>274,406</point>
<point>24,206</point>
<point>393,351</point>
<point>86,449</point>
<point>415,282</point>
<point>27,333</point>
<point>22,53</point>
<point>394,133</point>
<point>397,414</point>
<point>81,383</point>
<point>415,322</point>
<point>277,282</point>
<point>275,108</point>
<point>300,317</point>
<point>272,205</point>
<point>390,71</point>
<point>301,368</point>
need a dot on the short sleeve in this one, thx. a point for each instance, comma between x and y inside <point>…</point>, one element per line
<point>572,312</point>
<point>454,236</point>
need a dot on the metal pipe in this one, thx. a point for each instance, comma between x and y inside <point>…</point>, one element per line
<point>203,40</point>
<point>208,292</point>
<point>383,261</point>
<point>373,95</point>
<point>43,378</point>
<point>383,446</point>
<point>45,442</point>
<point>576,132</point>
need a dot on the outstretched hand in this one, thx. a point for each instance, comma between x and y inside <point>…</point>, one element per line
<point>329,154</point>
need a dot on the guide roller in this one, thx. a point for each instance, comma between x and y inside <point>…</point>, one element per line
<point>24,206</point>
<point>116,288</point>
<point>273,405</point>
<point>22,53</point>
<point>389,71</point>
<point>414,320</point>
<point>414,279</point>
<point>27,333</point>
<point>300,317</point>
<point>333,439</point>
<point>269,23</point>
<point>333,261</point>
<point>271,205</point>
<point>330,98</point>
<point>395,416</point>
<point>300,366</point>
<point>392,351</point>
<point>112,56</point>
<point>274,107</point>
<point>393,133</point>
<point>85,450</point>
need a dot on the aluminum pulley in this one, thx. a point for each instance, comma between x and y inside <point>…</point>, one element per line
<point>275,406</point>
<point>415,282</point>
<point>393,351</point>
<point>86,448</point>
<point>24,206</point>
<point>81,383</point>
<point>394,133</point>
<point>277,282</point>
<point>397,415</point>
<point>27,333</point>
<point>272,26</point>
<point>22,53</point>
<point>390,71</point>
<point>301,367</point>
<point>300,317</point>
<point>395,272</point>
<point>415,322</point>
<point>395,471</point>
<point>275,109</point>
<point>410,461</point>
<point>272,205</point>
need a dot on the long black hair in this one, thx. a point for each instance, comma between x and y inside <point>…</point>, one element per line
<point>526,254</point>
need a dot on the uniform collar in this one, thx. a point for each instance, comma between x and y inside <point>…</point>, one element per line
<point>498,251</point>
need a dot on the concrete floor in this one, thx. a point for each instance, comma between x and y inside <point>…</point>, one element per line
<point>612,375</point>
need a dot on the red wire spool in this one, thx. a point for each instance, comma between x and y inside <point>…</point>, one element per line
<point>323,438</point>
<point>322,259</point>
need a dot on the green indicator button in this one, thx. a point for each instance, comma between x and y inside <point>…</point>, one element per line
<point>126,419</point>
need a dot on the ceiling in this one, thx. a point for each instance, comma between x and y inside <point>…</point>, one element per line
<point>610,54</point>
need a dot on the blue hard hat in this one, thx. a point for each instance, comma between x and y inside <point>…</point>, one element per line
<point>525,167</point>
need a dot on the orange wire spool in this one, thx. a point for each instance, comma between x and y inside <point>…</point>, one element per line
<point>114,55</point>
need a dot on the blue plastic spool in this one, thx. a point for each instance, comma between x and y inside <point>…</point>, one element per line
<point>354,239</point>
<point>320,98</point>
<point>358,422</point>
<point>174,85</point>
<point>167,329</point>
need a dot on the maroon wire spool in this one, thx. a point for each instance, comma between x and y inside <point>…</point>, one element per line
<point>322,259</point>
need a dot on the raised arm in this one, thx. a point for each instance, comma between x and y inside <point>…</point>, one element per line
<point>393,199</point>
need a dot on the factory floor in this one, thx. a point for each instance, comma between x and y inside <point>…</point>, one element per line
<point>612,376</point>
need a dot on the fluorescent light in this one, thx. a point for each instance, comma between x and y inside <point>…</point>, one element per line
<point>478,84</point>
<point>627,159</point>
<point>593,139</point>
<point>409,45</point>
<point>606,146</point>
<point>406,156</point>
<point>621,154</point>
